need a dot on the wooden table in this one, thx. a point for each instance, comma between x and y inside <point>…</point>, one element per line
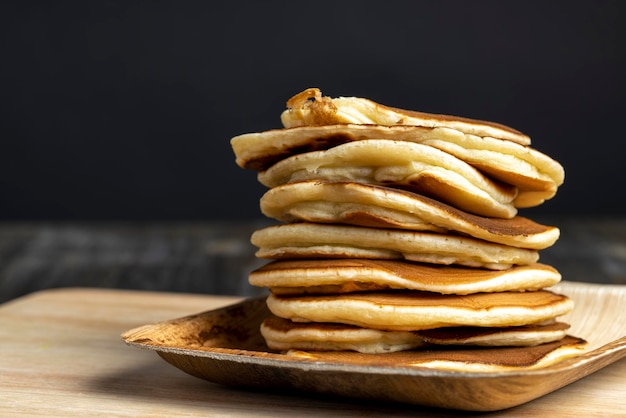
<point>61,355</point>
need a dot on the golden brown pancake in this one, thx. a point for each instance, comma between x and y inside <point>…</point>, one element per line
<point>405,165</point>
<point>260,150</point>
<point>384,207</point>
<point>311,240</point>
<point>335,276</point>
<point>413,310</point>
<point>531,171</point>
<point>467,359</point>
<point>283,334</point>
<point>310,107</point>
<point>536,175</point>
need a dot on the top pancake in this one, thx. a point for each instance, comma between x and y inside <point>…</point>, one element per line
<point>487,360</point>
<point>311,108</point>
<point>282,334</point>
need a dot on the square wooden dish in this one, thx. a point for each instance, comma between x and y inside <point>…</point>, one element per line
<point>224,346</point>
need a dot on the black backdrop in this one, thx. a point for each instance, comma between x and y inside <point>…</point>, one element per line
<point>124,110</point>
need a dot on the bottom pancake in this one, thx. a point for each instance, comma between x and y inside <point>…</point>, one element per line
<point>465,359</point>
<point>282,334</point>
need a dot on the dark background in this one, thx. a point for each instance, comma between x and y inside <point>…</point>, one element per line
<point>124,110</point>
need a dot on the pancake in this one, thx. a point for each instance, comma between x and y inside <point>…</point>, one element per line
<point>536,175</point>
<point>311,108</point>
<point>419,168</point>
<point>260,150</point>
<point>531,171</point>
<point>462,359</point>
<point>335,276</point>
<point>383,207</point>
<point>414,311</point>
<point>282,334</point>
<point>311,240</point>
<point>522,336</point>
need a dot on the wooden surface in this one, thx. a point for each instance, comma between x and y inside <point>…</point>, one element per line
<point>62,355</point>
<point>215,257</point>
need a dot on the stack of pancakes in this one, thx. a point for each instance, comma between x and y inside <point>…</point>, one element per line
<point>399,230</point>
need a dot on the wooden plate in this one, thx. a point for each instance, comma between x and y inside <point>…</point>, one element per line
<point>225,346</point>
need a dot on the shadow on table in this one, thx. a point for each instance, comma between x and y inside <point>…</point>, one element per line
<point>170,389</point>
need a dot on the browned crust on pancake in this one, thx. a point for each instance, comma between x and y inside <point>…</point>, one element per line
<point>304,139</point>
<point>450,333</point>
<point>517,226</point>
<point>462,333</point>
<point>372,220</point>
<point>501,357</point>
<point>521,182</point>
<point>317,143</point>
<point>473,302</point>
<point>427,183</point>
<point>451,118</point>
<point>348,287</point>
<point>283,334</point>
<point>419,273</point>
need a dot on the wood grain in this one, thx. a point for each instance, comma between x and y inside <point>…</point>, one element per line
<point>61,355</point>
